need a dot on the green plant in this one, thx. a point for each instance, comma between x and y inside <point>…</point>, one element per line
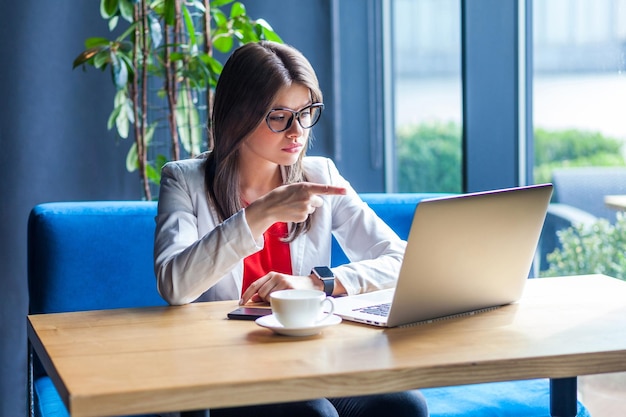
<point>429,154</point>
<point>596,249</point>
<point>573,148</point>
<point>169,43</point>
<point>429,157</point>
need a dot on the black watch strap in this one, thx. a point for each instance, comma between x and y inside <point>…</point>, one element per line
<point>328,278</point>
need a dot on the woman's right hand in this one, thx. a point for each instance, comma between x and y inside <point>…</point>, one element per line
<point>291,203</point>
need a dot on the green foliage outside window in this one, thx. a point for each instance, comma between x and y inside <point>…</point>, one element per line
<point>429,160</point>
<point>593,249</point>
<point>573,148</point>
<point>429,154</point>
<point>429,157</point>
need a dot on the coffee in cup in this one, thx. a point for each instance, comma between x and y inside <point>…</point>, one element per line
<point>300,308</point>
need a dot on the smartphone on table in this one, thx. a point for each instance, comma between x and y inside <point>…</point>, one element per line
<point>249,313</point>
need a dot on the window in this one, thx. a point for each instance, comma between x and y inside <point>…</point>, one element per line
<point>579,84</point>
<point>426,51</point>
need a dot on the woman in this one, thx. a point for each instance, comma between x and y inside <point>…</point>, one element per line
<point>255,215</point>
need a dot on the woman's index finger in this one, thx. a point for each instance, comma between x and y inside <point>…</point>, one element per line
<point>326,189</point>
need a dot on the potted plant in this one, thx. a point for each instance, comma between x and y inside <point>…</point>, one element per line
<point>164,71</point>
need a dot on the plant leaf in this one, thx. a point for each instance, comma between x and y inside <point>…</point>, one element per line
<point>95,42</point>
<point>122,124</point>
<point>188,123</point>
<point>219,17</point>
<point>220,3</point>
<point>128,107</point>
<point>155,31</point>
<point>177,56</point>
<point>244,31</point>
<point>160,160</point>
<point>237,9</point>
<point>213,64</point>
<point>157,6</point>
<point>108,8</point>
<point>169,12</point>
<point>191,31</point>
<point>150,133</point>
<point>120,71</point>
<point>154,169</point>
<point>101,59</point>
<point>223,42</point>
<point>122,121</point>
<point>125,59</point>
<point>197,4</point>
<point>85,56</point>
<point>267,31</point>
<point>113,23</point>
<point>153,174</point>
<point>132,160</point>
<point>127,9</point>
<point>132,157</point>
<point>113,116</point>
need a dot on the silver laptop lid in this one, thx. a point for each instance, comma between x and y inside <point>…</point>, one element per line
<point>469,252</point>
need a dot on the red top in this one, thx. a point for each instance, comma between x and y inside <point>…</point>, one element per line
<point>275,256</point>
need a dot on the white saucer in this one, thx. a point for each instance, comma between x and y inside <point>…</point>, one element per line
<point>270,322</point>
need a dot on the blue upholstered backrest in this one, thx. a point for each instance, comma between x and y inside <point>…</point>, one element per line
<point>91,256</point>
<point>396,209</point>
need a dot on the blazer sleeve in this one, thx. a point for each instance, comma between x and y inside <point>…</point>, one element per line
<point>189,261</point>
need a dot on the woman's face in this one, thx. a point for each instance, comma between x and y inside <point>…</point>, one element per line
<point>282,148</point>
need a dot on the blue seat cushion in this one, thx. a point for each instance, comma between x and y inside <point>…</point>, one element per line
<point>48,403</point>
<point>529,398</point>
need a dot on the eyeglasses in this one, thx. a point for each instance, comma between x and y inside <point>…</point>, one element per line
<point>279,120</point>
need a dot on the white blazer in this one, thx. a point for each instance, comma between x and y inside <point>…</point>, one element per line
<point>199,258</point>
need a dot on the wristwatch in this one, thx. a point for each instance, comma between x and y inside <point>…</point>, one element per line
<point>328,278</point>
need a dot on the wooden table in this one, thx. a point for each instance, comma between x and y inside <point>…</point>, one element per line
<point>191,357</point>
<point>617,202</point>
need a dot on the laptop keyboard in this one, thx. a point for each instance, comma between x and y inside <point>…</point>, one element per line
<point>378,309</point>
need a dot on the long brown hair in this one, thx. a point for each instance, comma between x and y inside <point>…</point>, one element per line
<point>245,92</point>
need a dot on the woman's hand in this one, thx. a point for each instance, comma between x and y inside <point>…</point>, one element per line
<point>291,203</point>
<point>261,289</point>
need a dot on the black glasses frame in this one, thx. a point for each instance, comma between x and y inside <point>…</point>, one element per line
<point>295,115</point>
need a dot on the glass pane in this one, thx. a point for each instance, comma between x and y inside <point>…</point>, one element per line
<point>579,88</point>
<point>580,125</point>
<point>426,52</point>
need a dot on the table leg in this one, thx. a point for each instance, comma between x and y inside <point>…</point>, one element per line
<point>197,413</point>
<point>563,397</point>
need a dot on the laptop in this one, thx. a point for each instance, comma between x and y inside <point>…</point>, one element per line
<point>465,253</point>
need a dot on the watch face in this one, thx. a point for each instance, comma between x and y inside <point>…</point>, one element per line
<point>324,272</point>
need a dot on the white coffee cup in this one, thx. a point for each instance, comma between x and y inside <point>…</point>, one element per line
<point>300,308</point>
